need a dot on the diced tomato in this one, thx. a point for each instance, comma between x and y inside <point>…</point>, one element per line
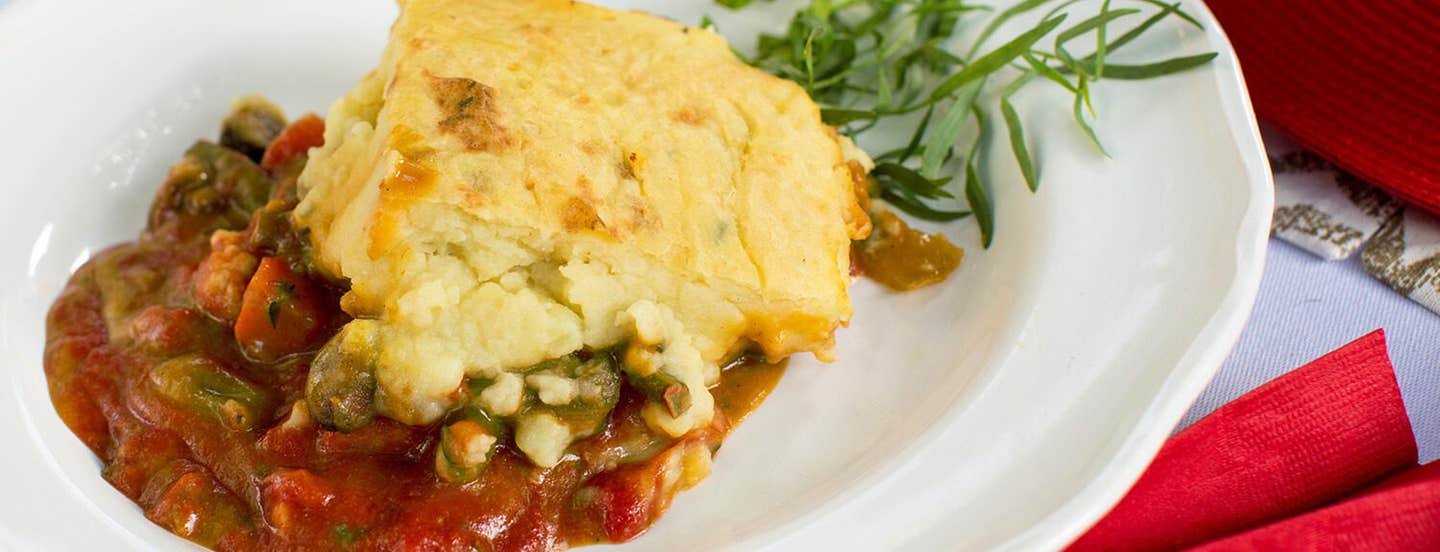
<point>64,361</point>
<point>138,454</point>
<point>630,498</point>
<point>76,313</point>
<point>384,437</point>
<point>286,495</point>
<point>170,330</point>
<point>305,133</point>
<point>196,507</point>
<point>626,503</point>
<point>220,279</point>
<point>282,313</point>
<point>289,445</point>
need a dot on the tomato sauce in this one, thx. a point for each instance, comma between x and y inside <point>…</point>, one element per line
<point>179,359</point>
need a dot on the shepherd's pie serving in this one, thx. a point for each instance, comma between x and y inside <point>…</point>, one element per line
<point>509,294</point>
<point>519,180</point>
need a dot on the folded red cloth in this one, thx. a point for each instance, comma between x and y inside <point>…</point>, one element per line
<point>1323,431</point>
<point>1355,81</point>
<point>1403,515</point>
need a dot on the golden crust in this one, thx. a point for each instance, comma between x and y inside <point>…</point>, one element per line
<point>593,158</point>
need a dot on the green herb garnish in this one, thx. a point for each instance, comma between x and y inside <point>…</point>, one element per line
<point>284,291</point>
<point>734,4</point>
<point>346,535</point>
<point>871,63</point>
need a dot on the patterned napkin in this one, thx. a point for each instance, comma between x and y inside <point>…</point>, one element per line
<point>1328,212</point>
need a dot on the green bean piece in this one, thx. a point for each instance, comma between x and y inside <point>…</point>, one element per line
<point>182,497</point>
<point>273,232</point>
<point>200,383</point>
<point>212,182</point>
<point>662,388</point>
<point>128,278</point>
<point>456,459</point>
<point>252,124</point>
<point>271,225</point>
<point>629,445</point>
<point>597,382</point>
<point>340,390</point>
<point>465,449</point>
<point>473,411</point>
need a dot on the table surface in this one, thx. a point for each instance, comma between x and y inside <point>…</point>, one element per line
<point>1308,307</point>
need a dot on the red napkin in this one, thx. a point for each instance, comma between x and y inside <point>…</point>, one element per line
<point>1291,463</point>
<point>1355,81</point>
<point>1398,517</point>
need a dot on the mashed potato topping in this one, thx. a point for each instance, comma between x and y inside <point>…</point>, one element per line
<point>522,179</point>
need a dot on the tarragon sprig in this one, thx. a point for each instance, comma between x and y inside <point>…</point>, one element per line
<point>869,61</point>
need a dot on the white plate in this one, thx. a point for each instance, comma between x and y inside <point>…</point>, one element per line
<point>1009,407</point>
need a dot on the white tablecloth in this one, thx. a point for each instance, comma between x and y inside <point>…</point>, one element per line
<point>1308,307</point>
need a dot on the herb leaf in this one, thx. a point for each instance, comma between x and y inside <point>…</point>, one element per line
<point>1100,43</point>
<point>1080,29</point>
<point>913,207</point>
<point>1080,100</point>
<point>1004,16</point>
<point>980,204</point>
<point>284,291</point>
<point>879,63</point>
<point>346,535</point>
<point>1049,72</point>
<point>840,117</point>
<point>938,147</point>
<point>911,180</point>
<point>734,4</point>
<point>1017,132</point>
<point>993,61</point>
<point>1152,70</point>
<point>1175,8</point>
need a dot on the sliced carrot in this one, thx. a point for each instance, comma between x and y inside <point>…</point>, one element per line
<point>281,313</point>
<point>305,133</point>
